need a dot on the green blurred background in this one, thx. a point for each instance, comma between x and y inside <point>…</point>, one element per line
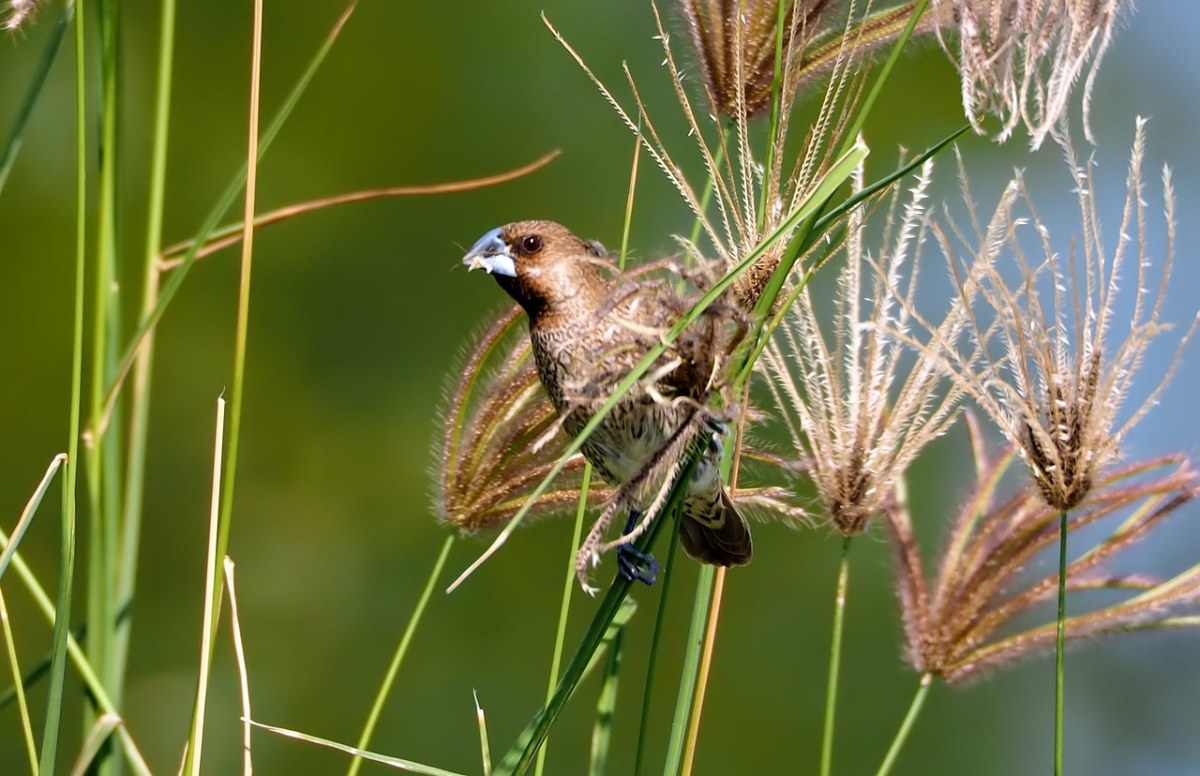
<point>358,315</point>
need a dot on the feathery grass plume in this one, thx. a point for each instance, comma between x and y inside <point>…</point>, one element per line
<point>500,437</point>
<point>1020,59</point>
<point>852,404</point>
<point>1058,388</point>
<point>752,199</point>
<point>495,441</point>
<point>736,43</point>
<point>19,12</point>
<point>954,621</point>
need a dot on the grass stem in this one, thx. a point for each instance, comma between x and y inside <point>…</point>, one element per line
<point>66,561</point>
<point>835,658</point>
<point>1060,643</point>
<point>906,726</point>
<point>389,679</point>
<point>564,609</point>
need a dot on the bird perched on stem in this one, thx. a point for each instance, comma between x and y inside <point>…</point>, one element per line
<point>589,325</point>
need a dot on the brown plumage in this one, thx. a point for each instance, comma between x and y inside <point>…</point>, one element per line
<point>589,325</point>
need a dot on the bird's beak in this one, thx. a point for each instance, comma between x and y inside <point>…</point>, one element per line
<point>491,254</point>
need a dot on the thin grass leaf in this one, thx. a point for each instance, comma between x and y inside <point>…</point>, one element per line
<point>212,593</point>
<point>36,84</point>
<point>139,406</point>
<point>232,233</point>
<point>606,708</point>
<point>484,749</point>
<point>394,762</point>
<point>243,675</point>
<point>660,620</point>
<point>564,609</point>
<point>210,224</point>
<point>90,680</point>
<point>99,732</point>
<point>19,689</point>
<point>689,673</point>
<point>66,562</point>
<point>614,611</point>
<point>385,688</point>
<point>31,508</point>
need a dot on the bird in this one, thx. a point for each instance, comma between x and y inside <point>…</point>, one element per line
<point>589,324</point>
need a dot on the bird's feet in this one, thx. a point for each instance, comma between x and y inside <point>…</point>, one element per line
<point>633,564</point>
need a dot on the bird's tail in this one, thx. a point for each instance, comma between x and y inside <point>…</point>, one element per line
<point>713,531</point>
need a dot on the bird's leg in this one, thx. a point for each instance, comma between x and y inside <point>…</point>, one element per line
<point>632,563</point>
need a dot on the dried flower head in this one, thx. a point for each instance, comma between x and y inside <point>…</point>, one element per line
<point>1059,386</point>
<point>736,43</point>
<point>853,405</point>
<point>954,621</point>
<point>495,444</point>
<point>1020,59</point>
<point>19,12</point>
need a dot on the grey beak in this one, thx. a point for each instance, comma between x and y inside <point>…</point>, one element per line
<point>489,253</point>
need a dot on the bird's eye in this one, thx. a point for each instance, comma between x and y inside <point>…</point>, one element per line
<point>531,244</point>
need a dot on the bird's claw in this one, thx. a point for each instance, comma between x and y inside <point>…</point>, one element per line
<point>633,564</point>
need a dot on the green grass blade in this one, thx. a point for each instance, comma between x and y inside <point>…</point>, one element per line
<point>660,621</point>
<point>395,762</point>
<point>868,102</point>
<point>40,74</point>
<point>97,735</point>
<point>212,221</point>
<point>19,689</point>
<point>605,708</point>
<point>689,671</point>
<point>485,750</point>
<point>613,609</point>
<point>78,659</point>
<point>838,173</point>
<point>66,561</point>
<point>139,420</point>
<point>564,609</point>
<point>31,508</point>
<point>825,222</point>
<point>389,679</point>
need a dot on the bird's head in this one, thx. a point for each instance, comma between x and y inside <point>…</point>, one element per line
<point>542,265</point>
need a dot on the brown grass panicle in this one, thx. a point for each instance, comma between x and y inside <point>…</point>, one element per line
<point>736,44</point>
<point>956,622</point>
<point>853,402</point>
<point>1058,384</point>
<point>1020,59</point>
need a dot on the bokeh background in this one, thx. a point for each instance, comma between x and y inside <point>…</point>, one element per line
<point>358,315</point>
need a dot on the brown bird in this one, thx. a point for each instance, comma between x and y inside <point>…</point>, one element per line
<point>589,325</point>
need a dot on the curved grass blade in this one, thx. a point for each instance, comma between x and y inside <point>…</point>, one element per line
<point>30,510</point>
<point>13,147</point>
<point>171,287</point>
<point>605,708</point>
<point>390,678</point>
<point>613,610</point>
<point>101,729</point>
<point>90,680</point>
<point>394,762</point>
<point>232,233</point>
<point>19,689</point>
